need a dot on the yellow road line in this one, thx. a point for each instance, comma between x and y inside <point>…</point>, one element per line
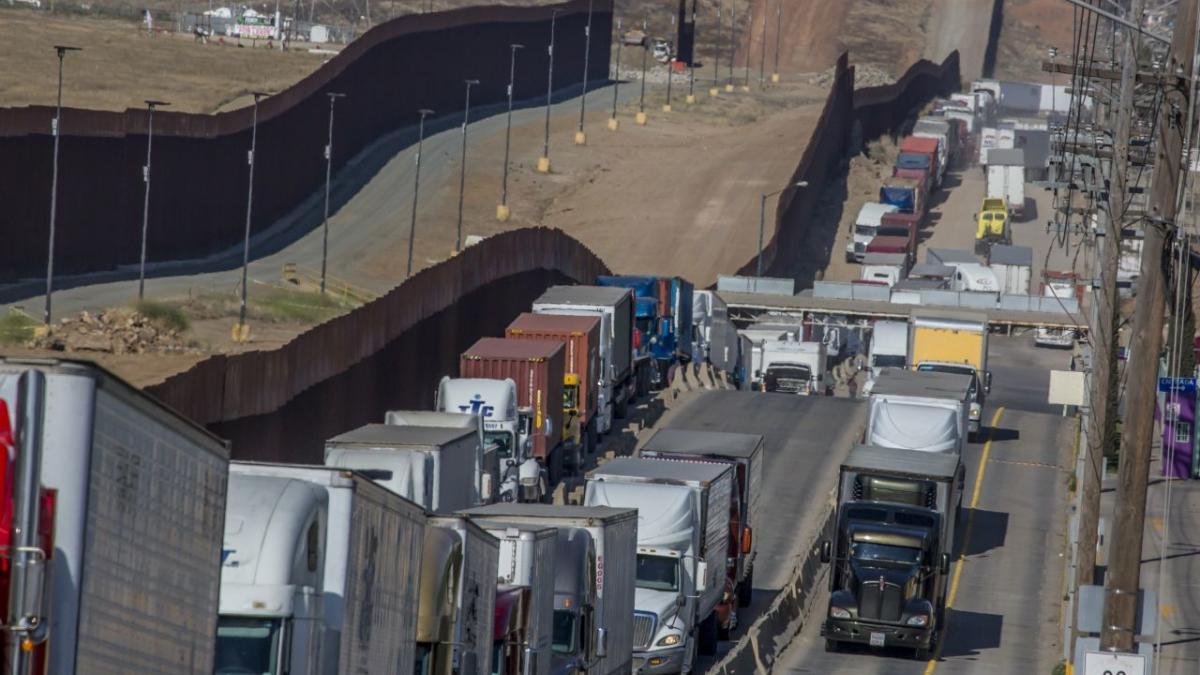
<point>962,553</point>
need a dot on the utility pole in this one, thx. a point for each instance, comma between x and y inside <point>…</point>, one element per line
<point>333,97</point>
<point>57,129</point>
<point>580,134</point>
<point>502,212</point>
<point>543,165</point>
<point>150,106</point>
<point>613,124</point>
<point>412,227</point>
<point>732,45</point>
<point>1125,557</point>
<point>762,62</point>
<point>462,171</point>
<point>241,330</point>
<point>640,118</point>
<point>778,38</point>
<point>1104,333</point>
<point>714,91</point>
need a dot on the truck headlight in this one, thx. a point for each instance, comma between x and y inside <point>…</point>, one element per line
<point>976,410</point>
<point>839,613</point>
<point>920,620</point>
<point>669,640</point>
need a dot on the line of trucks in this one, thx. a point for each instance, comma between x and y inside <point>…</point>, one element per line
<point>422,545</point>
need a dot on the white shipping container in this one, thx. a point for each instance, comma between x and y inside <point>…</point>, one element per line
<point>138,524</point>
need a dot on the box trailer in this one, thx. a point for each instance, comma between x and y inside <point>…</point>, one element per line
<point>1013,266</point>
<point>132,503</point>
<point>456,611</point>
<point>910,477</point>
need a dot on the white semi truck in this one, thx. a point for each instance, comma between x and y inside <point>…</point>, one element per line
<point>793,367</point>
<point>116,517</point>
<point>488,470</point>
<point>926,411</point>
<point>599,615</point>
<point>683,547</point>
<point>319,573</point>
<point>457,599</point>
<point>505,426</point>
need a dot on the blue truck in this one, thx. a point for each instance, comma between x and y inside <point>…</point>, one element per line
<point>662,318</point>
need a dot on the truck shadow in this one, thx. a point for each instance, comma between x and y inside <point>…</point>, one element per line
<point>989,529</point>
<point>970,633</point>
<point>1000,435</point>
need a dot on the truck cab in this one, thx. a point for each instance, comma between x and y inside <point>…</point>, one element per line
<point>794,367</point>
<point>992,225</point>
<point>887,582</point>
<point>866,227</point>
<point>507,427</point>
<point>574,643</point>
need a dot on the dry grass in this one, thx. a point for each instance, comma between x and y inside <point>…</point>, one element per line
<point>120,66</point>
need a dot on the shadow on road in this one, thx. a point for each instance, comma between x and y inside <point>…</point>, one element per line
<point>971,632</point>
<point>1000,435</point>
<point>988,531</point>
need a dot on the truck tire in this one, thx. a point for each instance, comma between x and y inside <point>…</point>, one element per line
<point>643,381</point>
<point>921,654</point>
<point>707,643</point>
<point>832,646</point>
<point>621,409</point>
<point>745,591</point>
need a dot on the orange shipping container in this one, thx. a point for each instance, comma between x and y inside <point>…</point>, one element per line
<point>580,337</point>
<point>537,367</point>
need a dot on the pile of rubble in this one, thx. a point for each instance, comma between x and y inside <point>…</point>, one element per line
<point>114,331</point>
<point>865,75</point>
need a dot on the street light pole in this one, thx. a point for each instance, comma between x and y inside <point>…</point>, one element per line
<point>412,226</point>
<point>333,97</point>
<point>580,135</point>
<point>714,91</point>
<point>241,331</point>
<point>670,67</point>
<point>691,97</point>
<point>762,62</point>
<point>613,124</point>
<point>544,161</point>
<point>762,223</point>
<point>57,126</point>
<point>778,36</point>
<point>502,212</point>
<point>732,45</point>
<point>749,45</point>
<point>150,105</point>
<point>641,116</point>
<point>462,175</point>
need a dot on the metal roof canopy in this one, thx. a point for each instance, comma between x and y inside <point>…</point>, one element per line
<point>378,435</point>
<point>704,442</point>
<point>909,463</point>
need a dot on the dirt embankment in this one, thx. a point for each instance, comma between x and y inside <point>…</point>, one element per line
<point>1030,28</point>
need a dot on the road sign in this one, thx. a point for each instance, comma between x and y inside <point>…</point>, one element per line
<point>1179,385</point>
<point>1108,663</point>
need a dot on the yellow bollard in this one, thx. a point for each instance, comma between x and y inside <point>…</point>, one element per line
<point>714,92</point>
<point>691,98</point>
<point>502,213</point>
<point>543,165</point>
<point>240,332</point>
<point>640,119</point>
<point>580,138</point>
<point>613,124</point>
<point>775,78</point>
<point>667,107</point>
<point>728,88</point>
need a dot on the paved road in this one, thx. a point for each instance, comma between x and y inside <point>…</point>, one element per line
<point>1177,577</point>
<point>806,439</point>
<point>1004,611</point>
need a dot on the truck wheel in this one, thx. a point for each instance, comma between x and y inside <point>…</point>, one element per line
<point>708,636</point>
<point>643,381</point>
<point>921,654</point>
<point>621,410</point>
<point>832,646</point>
<point>745,592</point>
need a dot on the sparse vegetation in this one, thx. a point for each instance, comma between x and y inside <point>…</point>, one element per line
<point>16,328</point>
<point>166,316</point>
<point>268,305</point>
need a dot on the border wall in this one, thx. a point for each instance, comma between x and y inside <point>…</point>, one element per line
<point>198,203</point>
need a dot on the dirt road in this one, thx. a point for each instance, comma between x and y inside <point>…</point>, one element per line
<point>961,25</point>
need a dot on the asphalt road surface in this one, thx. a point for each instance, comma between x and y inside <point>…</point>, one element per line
<point>1006,584</point>
<point>806,438</point>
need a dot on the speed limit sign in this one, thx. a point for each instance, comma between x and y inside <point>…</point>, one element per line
<point>1108,663</point>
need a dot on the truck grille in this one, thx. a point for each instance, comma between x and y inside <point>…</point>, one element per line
<point>643,629</point>
<point>790,386</point>
<point>879,600</point>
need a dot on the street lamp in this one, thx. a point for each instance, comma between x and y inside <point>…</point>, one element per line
<point>580,135</point>
<point>613,124</point>
<point>762,222</point>
<point>732,45</point>
<point>62,51</point>
<point>714,91</point>
<point>641,116</point>
<point>778,35</point>
<point>150,106</point>
<point>670,67</point>
<point>462,175</point>
<point>762,62</point>
<point>691,97</point>
<point>333,97</point>
<point>502,212</point>
<point>749,44</point>
<point>241,330</point>
<point>412,226</point>
<point>543,165</point>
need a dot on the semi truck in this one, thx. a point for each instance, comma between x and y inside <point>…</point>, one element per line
<point>743,452</point>
<point>1013,267</point>
<point>456,606</point>
<point>1006,179</point>
<point>944,132</point>
<point>599,615</point>
<point>580,337</point>
<point>664,318</point>
<point>992,224</point>
<point>887,264</point>
<point>537,368</point>
<point>954,342</point>
<point>527,559</point>
<point>887,582</point>
<point>1061,285</point>
<point>913,146</point>
<point>309,553</point>
<point>436,467</point>
<point>866,227</point>
<point>488,473</point>
<point>925,411</point>
<point>623,375</point>
<point>906,194</point>
<point>682,550</point>
<point>791,367</point>
<point>506,428</point>
<point>115,510</point>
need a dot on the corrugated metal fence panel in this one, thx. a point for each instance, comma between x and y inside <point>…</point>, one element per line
<point>936,297</point>
<point>978,300</point>
<point>833,289</point>
<point>198,156</point>
<point>871,292</point>
<point>1018,303</point>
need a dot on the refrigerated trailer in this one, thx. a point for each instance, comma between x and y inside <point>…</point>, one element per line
<point>132,508</point>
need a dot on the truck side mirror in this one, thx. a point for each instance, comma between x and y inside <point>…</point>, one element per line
<point>826,551</point>
<point>945,563</point>
<point>527,664</point>
<point>987,382</point>
<point>701,577</point>
<point>747,540</point>
<point>601,642</point>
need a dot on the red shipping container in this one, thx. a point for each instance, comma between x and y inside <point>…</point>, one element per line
<point>537,368</point>
<point>928,146</point>
<point>911,222</point>
<point>580,337</point>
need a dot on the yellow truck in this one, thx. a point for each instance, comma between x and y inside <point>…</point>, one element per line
<point>953,342</point>
<point>992,225</point>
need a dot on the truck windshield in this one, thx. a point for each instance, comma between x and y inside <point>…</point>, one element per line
<point>570,397</point>
<point>893,231</point>
<point>868,551</point>
<point>953,370</point>
<point>657,573</point>
<point>645,324</point>
<point>889,361</point>
<point>563,641</point>
<point>503,441</point>
<point>865,230</point>
<point>247,646</point>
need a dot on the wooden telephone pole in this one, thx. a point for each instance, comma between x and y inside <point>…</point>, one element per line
<point>1104,334</point>
<point>1125,553</point>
